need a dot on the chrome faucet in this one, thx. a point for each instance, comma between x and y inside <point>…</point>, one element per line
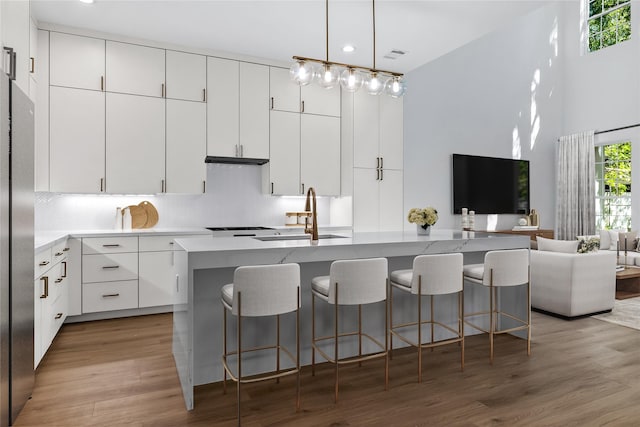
<point>313,230</point>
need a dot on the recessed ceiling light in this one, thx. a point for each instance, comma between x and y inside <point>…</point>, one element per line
<point>86,1</point>
<point>348,48</point>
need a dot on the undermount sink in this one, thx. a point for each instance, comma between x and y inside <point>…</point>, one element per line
<point>296,237</point>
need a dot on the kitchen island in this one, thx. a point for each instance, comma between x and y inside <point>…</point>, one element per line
<point>204,264</point>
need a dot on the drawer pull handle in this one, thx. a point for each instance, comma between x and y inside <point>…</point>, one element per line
<point>58,280</point>
<point>111,245</point>
<point>65,269</point>
<point>65,250</point>
<point>59,315</point>
<point>110,295</point>
<point>46,287</point>
<point>43,263</point>
<point>59,253</point>
<point>110,267</point>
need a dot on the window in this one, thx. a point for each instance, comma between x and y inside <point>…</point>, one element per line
<point>613,186</point>
<point>609,22</point>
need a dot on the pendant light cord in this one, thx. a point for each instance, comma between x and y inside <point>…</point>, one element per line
<point>373,3</point>
<point>326,17</point>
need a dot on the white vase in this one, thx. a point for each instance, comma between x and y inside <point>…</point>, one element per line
<point>423,230</point>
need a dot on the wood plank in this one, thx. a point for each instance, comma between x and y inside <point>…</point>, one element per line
<point>121,372</point>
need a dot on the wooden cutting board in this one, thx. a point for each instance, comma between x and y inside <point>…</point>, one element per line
<point>138,216</point>
<point>151,213</point>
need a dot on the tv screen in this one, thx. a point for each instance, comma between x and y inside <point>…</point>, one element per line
<point>489,185</point>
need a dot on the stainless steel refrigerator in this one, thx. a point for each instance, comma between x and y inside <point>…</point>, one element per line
<point>16,245</point>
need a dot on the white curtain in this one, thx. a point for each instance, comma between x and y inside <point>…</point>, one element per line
<point>575,187</point>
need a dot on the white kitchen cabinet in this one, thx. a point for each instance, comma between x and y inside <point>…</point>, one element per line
<point>77,140</point>
<point>285,94</point>
<point>15,34</point>
<point>237,109</point>
<point>135,69</point>
<point>135,144</point>
<point>109,296</point>
<point>186,76</point>
<point>284,161</point>
<point>186,146</point>
<point>41,128</point>
<point>254,111</point>
<point>77,61</point>
<point>223,106</point>
<point>377,200</point>
<point>320,154</point>
<point>377,131</point>
<point>33,58</point>
<point>157,281</point>
<point>317,100</point>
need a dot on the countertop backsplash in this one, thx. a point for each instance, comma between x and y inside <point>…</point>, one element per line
<point>234,198</point>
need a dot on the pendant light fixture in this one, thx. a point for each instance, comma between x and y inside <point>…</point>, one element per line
<point>351,77</point>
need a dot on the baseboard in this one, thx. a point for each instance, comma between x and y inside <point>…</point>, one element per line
<point>563,317</point>
<point>88,317</point>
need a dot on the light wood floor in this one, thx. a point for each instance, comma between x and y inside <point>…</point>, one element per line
<point>121,373</point>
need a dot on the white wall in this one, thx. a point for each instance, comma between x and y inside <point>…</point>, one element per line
<point>233,198</point>
<point>498,96</point>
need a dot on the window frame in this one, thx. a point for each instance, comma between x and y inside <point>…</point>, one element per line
<point>607,200</point>
<point>601,33</point>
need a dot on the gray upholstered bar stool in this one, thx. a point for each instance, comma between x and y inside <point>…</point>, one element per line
<point>431,275</point>
<point>262,290</point>
<point>500,269</point>
<point>351,282</point>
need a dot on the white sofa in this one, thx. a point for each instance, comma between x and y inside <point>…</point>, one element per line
<point>609,242</point>
<point>572,284</point>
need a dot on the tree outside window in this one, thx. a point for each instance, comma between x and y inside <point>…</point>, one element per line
<point>609,22</point>
<point>613,186</point>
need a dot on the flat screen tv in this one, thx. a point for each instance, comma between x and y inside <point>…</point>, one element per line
<point>489,185</point>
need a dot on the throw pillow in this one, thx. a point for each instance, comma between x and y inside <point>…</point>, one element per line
<point>609,239</point>
<point>552,245</point>
<point>588,244</point>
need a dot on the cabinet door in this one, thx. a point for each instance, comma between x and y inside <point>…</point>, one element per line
<point>135,138</point>
<point>134,69</point>
<point>186,146</point>
<point>391,208</point>
<point>186,76</point>
<point>156,281</point>
<point>365,130</point>
<point>77,145</point>
<point>391,132</point>
<point>33,50</point>
<point>41,127</point>
<point>15,34</point>
<point>366,200</point>
<point>320,154</point>
<point>38,307</point>
<point>254,110</point>
<point>284,163</point>
<point>318,100</point>
<point>223,82</point>
<point>285,94</point>
<point>76,61</point>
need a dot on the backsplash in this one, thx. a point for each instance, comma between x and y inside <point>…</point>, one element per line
<point>234,198</point>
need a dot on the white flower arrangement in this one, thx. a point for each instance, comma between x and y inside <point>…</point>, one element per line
<point>423,217</point>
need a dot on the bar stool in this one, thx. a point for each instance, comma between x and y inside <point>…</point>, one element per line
<point>256,291</point>
<point>500,269</point>
<point>431,275</point>
<point>351,282</point>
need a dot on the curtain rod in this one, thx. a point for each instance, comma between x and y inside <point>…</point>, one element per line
<point>621,128</point>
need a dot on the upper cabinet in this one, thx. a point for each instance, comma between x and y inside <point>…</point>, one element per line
<point>285,95</point>
<point>134,69</point>
<point>15,34</point>
<point>237,109</point>
<point>318,100</point>
<point>76,61</point>
<point>311,99</point>
<point>186,76</point>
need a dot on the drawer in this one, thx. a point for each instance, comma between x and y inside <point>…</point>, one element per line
<point>59,252</point>
<point>42,262</point>
<point>57,316</point>
<point>109,245</point>
<point>109,296</point>
<point>109,267</point>
<point>157,243</point>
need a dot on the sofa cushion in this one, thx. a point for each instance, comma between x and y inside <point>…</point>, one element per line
<point>588,244</point>
<point>609,239</point>
<point>552,245</point>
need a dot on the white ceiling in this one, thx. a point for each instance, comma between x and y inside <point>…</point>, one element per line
<point>280,29</point>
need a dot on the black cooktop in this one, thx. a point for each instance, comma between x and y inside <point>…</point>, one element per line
<point>237,228</point>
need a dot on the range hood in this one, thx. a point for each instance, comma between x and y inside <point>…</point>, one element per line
<point>235,160</point>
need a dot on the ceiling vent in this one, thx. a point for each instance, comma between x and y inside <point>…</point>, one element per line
<point>395,54</point>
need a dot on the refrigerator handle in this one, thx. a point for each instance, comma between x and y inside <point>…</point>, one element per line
<point>10,62</point>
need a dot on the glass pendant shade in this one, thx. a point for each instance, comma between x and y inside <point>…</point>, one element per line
<point>374,84</point>
<point>351,80</point>
<point>395,87</point>
<point>301,72</point>
<point>327,75</point>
